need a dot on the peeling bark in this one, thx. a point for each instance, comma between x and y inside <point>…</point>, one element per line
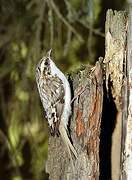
<point>115,53</point>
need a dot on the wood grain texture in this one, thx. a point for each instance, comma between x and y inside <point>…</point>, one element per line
<point>115,63</point>
<point>127,129</point>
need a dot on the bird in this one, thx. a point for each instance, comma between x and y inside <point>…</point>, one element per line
<point>55,94</point>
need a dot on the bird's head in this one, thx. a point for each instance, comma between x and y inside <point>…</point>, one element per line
<point>43,67</point>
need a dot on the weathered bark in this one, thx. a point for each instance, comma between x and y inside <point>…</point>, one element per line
<point>118,60</point>
<point>85,130</point>
<point>115,61</point>
<point>127,118</point>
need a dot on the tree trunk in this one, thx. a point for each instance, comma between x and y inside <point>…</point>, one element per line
<point>85,130</point>
<point>126,173</point>
<point>106,109</point>
<point>115,63</point>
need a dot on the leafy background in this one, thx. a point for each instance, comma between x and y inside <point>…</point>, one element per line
<point>28,28</point>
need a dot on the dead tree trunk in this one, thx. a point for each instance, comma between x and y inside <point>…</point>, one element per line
<point>91,114</point>
<point>118,60</point>
<point>126,162</point>
<point>115,63</point>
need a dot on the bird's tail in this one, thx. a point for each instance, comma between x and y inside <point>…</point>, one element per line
<point>67,142</point>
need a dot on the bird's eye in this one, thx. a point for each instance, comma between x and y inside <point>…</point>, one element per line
<point>46,63</point>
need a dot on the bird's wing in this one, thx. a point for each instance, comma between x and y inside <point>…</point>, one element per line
<point>54,102</point>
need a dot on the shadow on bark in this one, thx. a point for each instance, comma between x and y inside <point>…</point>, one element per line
<point>107,127</point>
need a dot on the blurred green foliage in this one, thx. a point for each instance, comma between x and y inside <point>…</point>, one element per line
<point>75,31</point>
